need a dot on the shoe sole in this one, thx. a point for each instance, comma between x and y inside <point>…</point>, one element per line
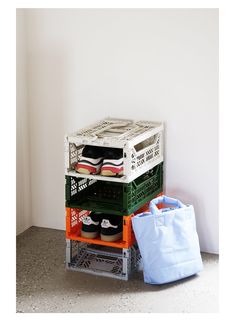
<point>110,173</point>
<point>84,171</point>
<point>89,235</point>
<point>111,238</point>
<point>83,168</point>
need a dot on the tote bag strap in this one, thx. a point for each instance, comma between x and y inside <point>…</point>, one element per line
<point>165,200</point>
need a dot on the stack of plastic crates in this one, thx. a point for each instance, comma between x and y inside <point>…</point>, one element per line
<point>126,195</point>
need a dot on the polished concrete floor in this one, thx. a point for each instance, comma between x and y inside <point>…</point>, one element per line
<point>43,284</point>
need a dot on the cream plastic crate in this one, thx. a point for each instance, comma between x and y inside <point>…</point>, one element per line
<point>141,141</point>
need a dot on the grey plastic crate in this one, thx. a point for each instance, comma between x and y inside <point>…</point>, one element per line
<point>102,260</point>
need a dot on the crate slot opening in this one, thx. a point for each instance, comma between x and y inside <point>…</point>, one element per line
<point>145,143</point>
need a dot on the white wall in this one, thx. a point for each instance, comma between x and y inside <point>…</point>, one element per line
<point>23,199</point>
<point>143,64</point>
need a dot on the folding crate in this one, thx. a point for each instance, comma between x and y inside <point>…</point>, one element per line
<point>141,141</point>
<point>101,260</point>
<point>74,225</point>
<point>113,197</point>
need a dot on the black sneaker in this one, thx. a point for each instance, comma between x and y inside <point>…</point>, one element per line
<point>91,160</point>
<point>113,162</point>
<point>111,228</point>
<point>91,225</point>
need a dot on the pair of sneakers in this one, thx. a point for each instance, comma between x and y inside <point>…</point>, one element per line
<point>100,160</point>
<point>108,226</point>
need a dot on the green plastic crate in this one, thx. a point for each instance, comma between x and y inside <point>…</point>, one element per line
<point>116,198</point>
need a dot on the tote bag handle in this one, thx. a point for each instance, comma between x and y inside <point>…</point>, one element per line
<point>165,200</point>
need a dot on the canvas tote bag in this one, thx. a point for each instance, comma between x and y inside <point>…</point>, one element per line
<point>168,241</point>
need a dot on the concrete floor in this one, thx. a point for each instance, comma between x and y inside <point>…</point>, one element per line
<point>43,285</point>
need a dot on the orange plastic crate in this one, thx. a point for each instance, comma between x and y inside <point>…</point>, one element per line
<point>74,226</point>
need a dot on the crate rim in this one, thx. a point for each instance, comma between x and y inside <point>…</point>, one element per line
<point>77,137</point>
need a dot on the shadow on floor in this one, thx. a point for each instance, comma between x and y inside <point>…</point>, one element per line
<point>41,272</point>
<point>40,259</point>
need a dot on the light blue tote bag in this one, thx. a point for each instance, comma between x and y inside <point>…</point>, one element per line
<point>168,241</point>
